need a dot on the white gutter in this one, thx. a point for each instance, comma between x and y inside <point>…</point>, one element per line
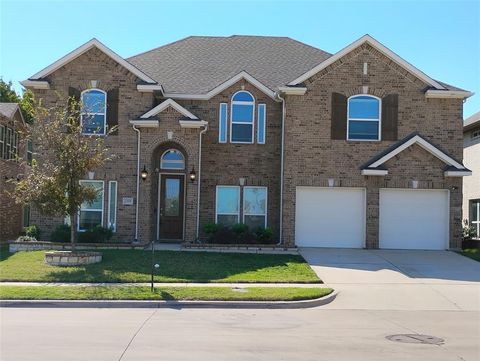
<point>138,181</point>
<point>199,177</point>
<point>280,240</point>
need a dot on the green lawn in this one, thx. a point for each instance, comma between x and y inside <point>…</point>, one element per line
<point>163,293</point>
<point>135,266</point>
<point>473,253</point>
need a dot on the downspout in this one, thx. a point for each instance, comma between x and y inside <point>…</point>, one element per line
<point>199,179</point>
<point>280,240</point>
<point>138,182</point>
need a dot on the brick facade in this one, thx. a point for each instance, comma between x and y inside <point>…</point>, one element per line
<point>311,156</point>
<point>11,214</point>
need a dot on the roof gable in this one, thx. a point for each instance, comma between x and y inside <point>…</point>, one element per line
<point>84,48</point>
<point>10,110</point>
<point>378,46</point>
<point>164,105</point>
<point>375,165</point>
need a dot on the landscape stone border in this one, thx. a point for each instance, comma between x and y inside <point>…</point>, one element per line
<point>72,258</point>
<point>15,246</point>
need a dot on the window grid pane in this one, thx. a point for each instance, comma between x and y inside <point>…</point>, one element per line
<point>363,118</point>
<point>112,206</point>
<point>227,205</point>
<point>222,123</point>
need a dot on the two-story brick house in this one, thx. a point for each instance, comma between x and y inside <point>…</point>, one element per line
<point>355,149</point>
<point>13,148</point>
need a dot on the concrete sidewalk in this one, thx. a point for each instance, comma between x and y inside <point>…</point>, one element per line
<point>166,284</point>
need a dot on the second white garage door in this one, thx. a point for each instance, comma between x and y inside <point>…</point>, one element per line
<point>330,217</point>
<point>414,219</point>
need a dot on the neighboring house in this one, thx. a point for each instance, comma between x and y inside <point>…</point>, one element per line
<point>12,147</point>
<point>355,149</point>
<point>471,185</point>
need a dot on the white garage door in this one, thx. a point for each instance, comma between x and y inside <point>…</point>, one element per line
<point>414,219</point>
<point>330,217</point>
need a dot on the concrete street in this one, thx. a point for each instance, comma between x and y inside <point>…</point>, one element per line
<point>381,293</point>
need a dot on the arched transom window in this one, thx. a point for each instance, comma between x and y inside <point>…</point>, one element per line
<point>172,159</point>
<point>242,117</point>
<point>93,115</point>
<point>363,118</point>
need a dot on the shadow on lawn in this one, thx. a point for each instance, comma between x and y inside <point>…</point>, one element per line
<point>135,266</point>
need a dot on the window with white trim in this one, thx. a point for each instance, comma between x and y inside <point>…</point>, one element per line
<point>8,143</point>
<point>91,213</point>
<point>112,205</point>
<point>261,123</point>
<point>475,134</point>
<point>255,207</point>
<point>29,151</point>
<point>2,140</point>
<point>222,123</point>
<point>242,117</point>
<point>475,216</point>
<point>94,111</point>
<point>227,208</point>
<point>363,112</point>
<point>172,159</point>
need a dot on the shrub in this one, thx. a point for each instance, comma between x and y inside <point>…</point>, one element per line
<point>61,234</point>
<point>264,235</point>
<point>32,231</point>
<point>97,234</point>
<point>469,231</point>
<point>239,229</point>
<point>211,228</point>
<point>26,239</point>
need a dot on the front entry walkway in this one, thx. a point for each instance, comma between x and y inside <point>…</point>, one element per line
<point>395,279</point>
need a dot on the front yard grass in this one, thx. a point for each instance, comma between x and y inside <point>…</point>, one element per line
<point>135,266</point>
<point>160,293</point>
<point>473,253</point>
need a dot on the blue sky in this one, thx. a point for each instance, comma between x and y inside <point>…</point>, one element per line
<point>442,38</point>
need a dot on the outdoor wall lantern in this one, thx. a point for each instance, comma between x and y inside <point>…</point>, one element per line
<point>144,173</point>
<point>193,174</point>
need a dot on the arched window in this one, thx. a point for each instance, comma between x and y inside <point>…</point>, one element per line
<point>242,117</point>
<point>94,111</point>
<point>172,159</point>
<point>363,118</point>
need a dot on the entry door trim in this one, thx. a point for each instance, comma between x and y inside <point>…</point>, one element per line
<point>159,196</point>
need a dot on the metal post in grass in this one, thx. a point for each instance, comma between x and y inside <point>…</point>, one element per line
<point>154,266</point>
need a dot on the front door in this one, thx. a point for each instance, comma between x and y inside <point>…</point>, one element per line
<point>171,206</point>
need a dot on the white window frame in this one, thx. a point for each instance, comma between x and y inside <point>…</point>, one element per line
<point>114,210</point>
<point>8,143</point>
<point>90,209</point>
<point>476,223</point>
<point>266,205</point>
<point>2,141</point>
<point>365,120</point>
<point>29,152</point>
<point>172,161</point>
<point>261,105</point>
<point>14,144</point>
<point>90,114</point>
<point>216,203</point>
<point>237,102</point>
<point>225,105</point>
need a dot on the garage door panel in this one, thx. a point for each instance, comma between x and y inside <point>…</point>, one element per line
<point>413,219</point>
<point>330,217</point>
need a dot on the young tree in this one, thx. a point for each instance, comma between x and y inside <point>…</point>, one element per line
<point>8,95</point>
<point>63,157</point>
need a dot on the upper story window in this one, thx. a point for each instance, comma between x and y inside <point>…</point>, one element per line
<point>242,117</point>
<point>94,112</point>
<point>172,159</point>
<point>9,139</point>
<point>476,134</point>
<point>363,114</point>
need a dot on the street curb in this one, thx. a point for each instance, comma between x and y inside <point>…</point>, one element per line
<point>168,304</point>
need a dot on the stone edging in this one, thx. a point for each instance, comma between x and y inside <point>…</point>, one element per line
<point>168,304</point>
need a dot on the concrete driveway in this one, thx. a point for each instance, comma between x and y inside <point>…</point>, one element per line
<point>398,280</point>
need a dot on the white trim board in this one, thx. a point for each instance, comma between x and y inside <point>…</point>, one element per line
<point>84,48</point>
<point>425,145</point>
<point>380,47</point>
<point>448,94</point>
<point>144,123</point>
<point>164,105</point>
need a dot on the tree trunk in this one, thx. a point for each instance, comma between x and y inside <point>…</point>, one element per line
<point>73,229</point>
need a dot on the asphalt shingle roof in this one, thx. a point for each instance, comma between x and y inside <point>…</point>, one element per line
<point>198,64</point>
<point>8,109</point>
<point>472,121</point>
